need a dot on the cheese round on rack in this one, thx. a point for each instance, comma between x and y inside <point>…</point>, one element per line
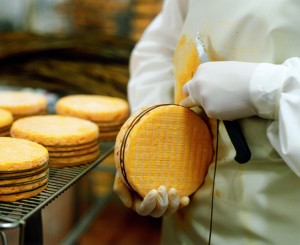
<point>6,119</point>
<point>70,141</point>
<point>23,103</point>
<point>166,145</point>
<point>55,130</point>
<point>97,108</point>
<point>109,113</point>
<point>20,154</point>
<point>24,169</point>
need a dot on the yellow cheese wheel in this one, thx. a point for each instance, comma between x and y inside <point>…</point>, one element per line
<point>23,195</point>
<point>68,161</point>
<point>96,108</point>
<point>21,154</point>
<point>55,130</point>
<point>166,145</point>
<point>23,103</point>
<point>6,118</point>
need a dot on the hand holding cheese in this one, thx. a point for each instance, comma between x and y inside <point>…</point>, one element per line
<point>222,89</point>
<point>156,202</point>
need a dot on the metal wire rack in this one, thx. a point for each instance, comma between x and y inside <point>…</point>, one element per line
<point>14,215</point>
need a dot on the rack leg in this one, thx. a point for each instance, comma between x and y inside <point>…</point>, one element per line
<point>34,230</point>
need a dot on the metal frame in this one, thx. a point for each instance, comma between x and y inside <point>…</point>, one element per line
<point>26,214</point>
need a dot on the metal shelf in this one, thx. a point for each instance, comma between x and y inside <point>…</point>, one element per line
<point>16,214</point>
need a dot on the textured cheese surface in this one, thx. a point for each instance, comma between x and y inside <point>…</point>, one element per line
<point>18,177</point>
<point>19,102</point>
<point>23,187</point>
<point>63,148</point>
<point>96,108</point>
<point>68,161</point>
<point>55,130</point>
<point>6,118</point>
<point>74,152</point>
<point>22,195</point>
<point>170,145</point>
<point>19,154</point>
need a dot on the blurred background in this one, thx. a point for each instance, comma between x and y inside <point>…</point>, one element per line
<point>60,47</point>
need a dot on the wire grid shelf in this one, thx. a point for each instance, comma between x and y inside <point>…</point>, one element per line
<point>15,214</point>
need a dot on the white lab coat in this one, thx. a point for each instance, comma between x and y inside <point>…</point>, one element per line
<point>257,202</point>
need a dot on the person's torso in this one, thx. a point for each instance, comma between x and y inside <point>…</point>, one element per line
<point>256,202</point>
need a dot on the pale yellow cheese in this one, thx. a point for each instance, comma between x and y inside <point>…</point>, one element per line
<point>97,108</point>
<point>68,161</point>
<point>15,188</point>
<point>74,153</point>
<point>21,154</point>
<point>23,103</point>
<point>23,195</point>
<point>55,130</point>
<point>76,147</point>
<point>6,118</point>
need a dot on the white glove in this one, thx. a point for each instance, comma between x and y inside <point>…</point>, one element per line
<point>221,89</point>
<point>156,203</point>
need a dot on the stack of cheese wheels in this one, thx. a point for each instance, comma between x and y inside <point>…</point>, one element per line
<point>166,145</point>
<point>23,103</point>
<point>24,169</point>
<point>6,119</point>
<point>109,113</point>
<point>70,141</point>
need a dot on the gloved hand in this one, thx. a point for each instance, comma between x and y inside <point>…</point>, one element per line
<point>156,203</point>
<point>221,89</point>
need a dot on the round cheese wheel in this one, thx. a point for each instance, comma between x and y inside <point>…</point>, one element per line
<point>166,145</point>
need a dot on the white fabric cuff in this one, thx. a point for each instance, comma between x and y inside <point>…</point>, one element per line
<point>265,89</point>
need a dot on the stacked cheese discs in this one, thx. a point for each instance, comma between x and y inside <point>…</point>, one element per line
<point>23,103</point>
<point>70,141</point>
<point>23,169</point>
<point>166,145</point>
<point>109,113</point>
<point>6,119</point>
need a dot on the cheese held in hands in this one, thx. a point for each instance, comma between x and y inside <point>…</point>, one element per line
<point>166,145</point>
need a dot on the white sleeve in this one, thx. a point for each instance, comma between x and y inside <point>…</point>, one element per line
<point>151,62</point>
<point>275,92</point>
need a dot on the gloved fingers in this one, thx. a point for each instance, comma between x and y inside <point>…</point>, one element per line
<point>122,191</point>
<point>185,89</point>
<point>188,101</point>
<point>147,205</point>
<point>184,201</point>
<point>162,202</point>
<point>174,201</point>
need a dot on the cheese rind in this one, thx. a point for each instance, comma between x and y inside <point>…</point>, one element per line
<point>23,103</point>
<point>6,118</point>
<point>97,108</point>
<point>55,130</point>
<point>109,113</point>
<point>21,154</point>
<point>166,145</point>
